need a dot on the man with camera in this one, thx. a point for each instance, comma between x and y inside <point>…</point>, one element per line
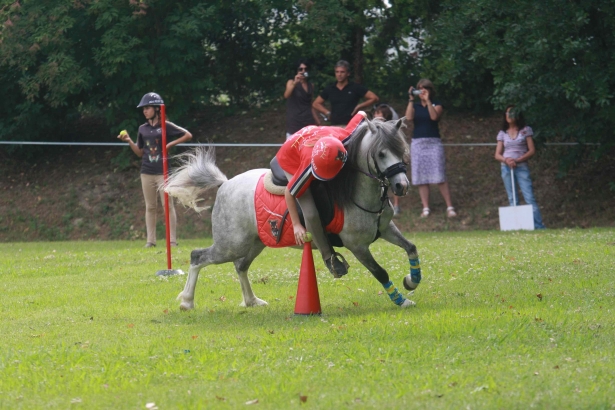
<point>299,92</point>
<point>344,97</point>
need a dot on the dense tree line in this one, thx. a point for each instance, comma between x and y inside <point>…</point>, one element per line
<point>62,59</point>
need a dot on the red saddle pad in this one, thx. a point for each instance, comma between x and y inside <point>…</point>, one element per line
<point>270,210</point>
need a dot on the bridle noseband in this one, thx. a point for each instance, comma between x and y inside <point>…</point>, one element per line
<point>383,178</point>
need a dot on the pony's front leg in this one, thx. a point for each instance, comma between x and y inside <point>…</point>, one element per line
<point>365,257</point>
<point>391,234</point>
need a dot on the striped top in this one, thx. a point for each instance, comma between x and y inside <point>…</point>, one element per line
<point>515,148</point>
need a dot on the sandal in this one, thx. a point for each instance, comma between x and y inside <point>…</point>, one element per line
<point>425,213</point>
<point>450,212</point>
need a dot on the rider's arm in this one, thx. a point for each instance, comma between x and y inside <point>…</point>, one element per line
<point>298,229</point>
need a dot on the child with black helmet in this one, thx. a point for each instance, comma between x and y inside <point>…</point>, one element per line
<point>149,148</point>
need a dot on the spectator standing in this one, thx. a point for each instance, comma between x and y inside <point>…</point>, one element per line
<point>515,147</point>
<point>344,96</point>
<point>149,149</point>
<point>385,112</point>
<point>426,150</point>
<point>299,94</point>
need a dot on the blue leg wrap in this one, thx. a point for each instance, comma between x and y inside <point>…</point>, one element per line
<point>393,293</point>
<point>415,270</point>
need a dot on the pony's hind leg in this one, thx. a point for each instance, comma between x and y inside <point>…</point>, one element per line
<point>187,295</point>
<point>199,258</point>
<point>241,266</point>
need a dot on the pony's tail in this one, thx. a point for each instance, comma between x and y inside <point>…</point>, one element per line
<point>197,173</point>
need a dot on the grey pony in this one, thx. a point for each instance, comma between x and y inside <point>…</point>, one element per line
<point>376,146</point>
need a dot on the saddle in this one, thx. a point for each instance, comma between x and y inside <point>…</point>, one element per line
<point>275,183</point>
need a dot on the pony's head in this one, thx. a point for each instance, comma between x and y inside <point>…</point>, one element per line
<point>378,149</point>
<point>385,152</point>
<point>389,153</point>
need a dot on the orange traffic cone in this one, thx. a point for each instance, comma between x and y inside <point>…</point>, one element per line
<point>307,301</point>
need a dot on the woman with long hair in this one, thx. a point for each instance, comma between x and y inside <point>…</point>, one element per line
<point>515,147</point>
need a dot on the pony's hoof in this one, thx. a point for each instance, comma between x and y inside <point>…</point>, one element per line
<point>407,303</point>
<point>186,304</point>
<point>253,303</point>
<point>408,284</point>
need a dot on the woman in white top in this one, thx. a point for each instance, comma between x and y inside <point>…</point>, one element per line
<point>515,147</point>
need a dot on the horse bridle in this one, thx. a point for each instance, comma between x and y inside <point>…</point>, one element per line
<point>383,178</point>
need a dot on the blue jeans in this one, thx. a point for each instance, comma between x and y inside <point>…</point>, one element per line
<point>522,178</point>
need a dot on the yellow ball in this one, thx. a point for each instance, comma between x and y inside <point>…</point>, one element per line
<point>307,237</point>
<point>123,132</point>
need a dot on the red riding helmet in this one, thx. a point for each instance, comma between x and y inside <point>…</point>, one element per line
<point>328,158</point>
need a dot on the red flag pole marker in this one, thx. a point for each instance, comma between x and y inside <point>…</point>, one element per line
<point>165,170</point>
<point>307,301</point>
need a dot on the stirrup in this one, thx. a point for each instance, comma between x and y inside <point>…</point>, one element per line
<point>425,213</point>
<point>337,268</point>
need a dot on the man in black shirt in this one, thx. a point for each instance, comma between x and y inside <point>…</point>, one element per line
<point>344,96</point>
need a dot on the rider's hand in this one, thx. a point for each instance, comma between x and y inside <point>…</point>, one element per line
<point>299,233</point>
<point>123,136</point>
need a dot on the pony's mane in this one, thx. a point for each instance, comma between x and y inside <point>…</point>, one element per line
<point>387,135</point>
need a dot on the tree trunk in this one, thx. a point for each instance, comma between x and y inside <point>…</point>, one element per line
<point>357,46</point>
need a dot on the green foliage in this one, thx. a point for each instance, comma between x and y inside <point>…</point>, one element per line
<point>62,58</point>
<point>553,59</point>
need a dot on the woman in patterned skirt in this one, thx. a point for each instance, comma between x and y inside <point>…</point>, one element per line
<point>426,150</point>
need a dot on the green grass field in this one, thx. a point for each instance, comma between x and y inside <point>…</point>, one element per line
<point>503,320</point>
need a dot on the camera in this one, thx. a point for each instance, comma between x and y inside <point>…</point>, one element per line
<point>416,92</point>
<point>305,73</point>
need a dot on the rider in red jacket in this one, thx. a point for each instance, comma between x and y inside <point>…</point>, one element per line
<point>314,152</point>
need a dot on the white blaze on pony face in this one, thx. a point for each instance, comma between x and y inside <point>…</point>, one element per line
<point>399,182</point>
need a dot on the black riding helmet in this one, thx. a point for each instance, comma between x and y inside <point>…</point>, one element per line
<point>151,99</point>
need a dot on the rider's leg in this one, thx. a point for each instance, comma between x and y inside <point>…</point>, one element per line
<point>314,225</point>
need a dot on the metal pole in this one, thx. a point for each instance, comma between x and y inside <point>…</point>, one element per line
<point>512,180</point>
<point>165,168</point>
